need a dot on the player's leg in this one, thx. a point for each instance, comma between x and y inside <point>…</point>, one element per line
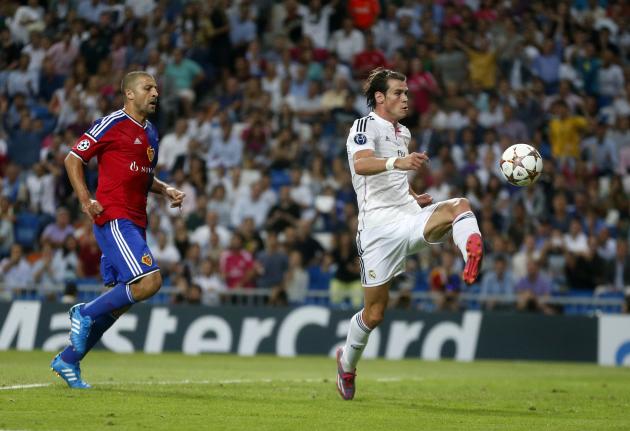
<point>125,247</point>
<point>361,325</point>
<point>382,254</point>
<point>66,363</point>
<point>456,215</point>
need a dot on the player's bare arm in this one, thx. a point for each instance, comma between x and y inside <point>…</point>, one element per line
<point>74,168</point>
<point>174,195</point>
<point>366,163</point>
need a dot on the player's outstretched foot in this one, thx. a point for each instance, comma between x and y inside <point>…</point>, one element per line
<point>70,373</point>
<point>79,329</point>
<point>474,249</point>
<point>345,380</point>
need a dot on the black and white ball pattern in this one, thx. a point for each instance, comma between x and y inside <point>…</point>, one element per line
<point>521,164</point>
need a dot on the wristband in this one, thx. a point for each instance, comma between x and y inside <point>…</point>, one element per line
<point>389,164</point>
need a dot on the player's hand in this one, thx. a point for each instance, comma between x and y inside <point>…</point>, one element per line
<point>176,196</point>
<point>411,162</point>
<point>424,199</point>
<point>92,208</point>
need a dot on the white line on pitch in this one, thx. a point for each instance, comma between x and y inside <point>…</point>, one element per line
<point>34,385</point>
<point>199,382</point>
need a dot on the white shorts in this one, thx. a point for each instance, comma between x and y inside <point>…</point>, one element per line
<point>384,249</point>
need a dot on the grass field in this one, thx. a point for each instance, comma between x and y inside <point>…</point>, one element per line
<point>173,391</point>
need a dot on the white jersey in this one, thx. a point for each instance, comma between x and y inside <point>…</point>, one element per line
<point>383,197</point>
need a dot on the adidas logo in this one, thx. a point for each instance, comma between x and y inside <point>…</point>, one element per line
<point>137,142</point>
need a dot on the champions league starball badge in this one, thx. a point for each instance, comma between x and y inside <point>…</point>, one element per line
<point>360,139</point>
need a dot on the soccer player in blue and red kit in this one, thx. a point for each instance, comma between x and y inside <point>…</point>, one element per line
<point>126,146</point>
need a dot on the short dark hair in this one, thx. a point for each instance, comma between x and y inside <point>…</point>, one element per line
<point>377,81</point>
<point>130,79</point>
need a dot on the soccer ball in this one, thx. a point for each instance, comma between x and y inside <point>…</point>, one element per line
<point>521,164</point>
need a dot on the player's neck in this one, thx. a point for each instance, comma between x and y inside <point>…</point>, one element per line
<point>140,118</point>
<point>381,113</point>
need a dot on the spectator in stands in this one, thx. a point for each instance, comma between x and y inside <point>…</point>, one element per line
<point>219,203</point>
<point>165,253</point>
<point>197,217</point>
<point>271,266</point>
<point>533,290</point>
<point>242,28</point>
<point>497,283</point>
<point>57,231</point>
<point>296,279</point>
<point>311,249</point>
<point>7,219</point>
<point>482,62</point>
<point>512,127</point>
<point>422,86</point>
<point>347,41</point>
<point>346,282</point>
<point>368,59</point>
<point>237,265</point>
<point>203,234</point>
<point>27,18</point>
<point>565,132</point>
<point>174,145</point>
<point>184,74</point>
<point>90,257</point>
<point>364,13</point>
<point>15,272</point>
<point>600,150</point>
<point>226,145</point>
<point>285,213</point>
<point>546,66</point>
<point>63,53</point>
<point>22,80</point>
<point>252,241</point>
<point>576,241</point>
<point>251,205</point>
<point>445,282</point>
<point>610,78</point>
<point>583,270</point>
<point>617,270</point>
<point>45,273</point>
<point>211,284</point>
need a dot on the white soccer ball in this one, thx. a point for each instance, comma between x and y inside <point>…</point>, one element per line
<point>521,164</point>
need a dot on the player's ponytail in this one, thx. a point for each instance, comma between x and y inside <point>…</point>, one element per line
<point>377,82</point>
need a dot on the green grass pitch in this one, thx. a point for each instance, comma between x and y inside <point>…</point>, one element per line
<point>220,392</point>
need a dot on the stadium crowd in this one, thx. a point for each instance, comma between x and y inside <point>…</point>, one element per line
<point>256,100</point>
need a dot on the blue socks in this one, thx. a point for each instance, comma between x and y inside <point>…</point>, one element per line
<point>100,325</point>
<point>118,297</point>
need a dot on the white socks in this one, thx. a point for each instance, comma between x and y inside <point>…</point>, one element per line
<point>358,335</point>
<point>464,225</point>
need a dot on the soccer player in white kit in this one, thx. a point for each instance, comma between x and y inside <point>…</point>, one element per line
<point>394,222</point>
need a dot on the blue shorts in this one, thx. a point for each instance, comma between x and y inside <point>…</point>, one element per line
<point>126,256</point>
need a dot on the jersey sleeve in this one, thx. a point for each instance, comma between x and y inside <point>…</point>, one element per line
<point>362,136</point>
<point>86,147</point>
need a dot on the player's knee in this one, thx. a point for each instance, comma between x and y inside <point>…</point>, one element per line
<point>460,205</point>
<point>148,286</point>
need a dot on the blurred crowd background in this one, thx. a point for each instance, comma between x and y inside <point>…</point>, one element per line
<point>256,100</point>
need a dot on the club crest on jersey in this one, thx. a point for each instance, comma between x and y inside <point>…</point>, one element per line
<point>147,259</point>
<point>83,145</point>
<point>360,139</point>
<point>150,153</point>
